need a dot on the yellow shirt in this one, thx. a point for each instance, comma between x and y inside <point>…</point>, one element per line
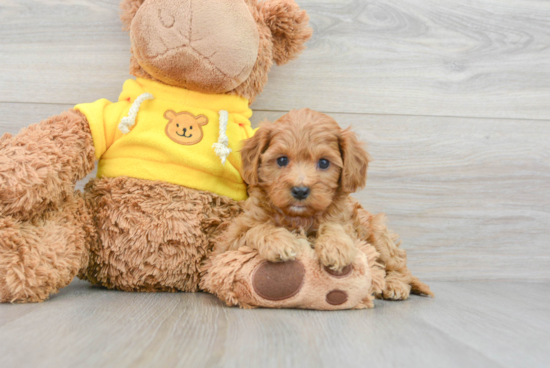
<point>170,137</point>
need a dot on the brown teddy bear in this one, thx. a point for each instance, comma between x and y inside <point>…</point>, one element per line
<point>169,172</point>
<point>162,191</point>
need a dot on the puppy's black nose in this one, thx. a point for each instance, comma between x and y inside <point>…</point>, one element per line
<point>300,192</point>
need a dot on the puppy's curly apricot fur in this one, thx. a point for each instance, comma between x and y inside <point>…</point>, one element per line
<point>300,171</point>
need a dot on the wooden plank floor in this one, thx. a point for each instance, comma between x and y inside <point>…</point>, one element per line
<point>469,324</point>
<point>453,99</point>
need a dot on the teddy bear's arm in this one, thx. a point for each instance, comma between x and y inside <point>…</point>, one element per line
<point>40,165</point>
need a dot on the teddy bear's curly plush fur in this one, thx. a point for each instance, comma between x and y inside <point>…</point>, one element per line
<point>125,233</point>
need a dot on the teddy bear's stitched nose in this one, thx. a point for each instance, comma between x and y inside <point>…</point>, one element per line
<point>166,19</point>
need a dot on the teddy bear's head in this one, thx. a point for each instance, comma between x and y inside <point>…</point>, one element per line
<point>213,46</point>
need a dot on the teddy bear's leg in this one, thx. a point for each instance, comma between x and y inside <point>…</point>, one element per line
<point>40,166</point>
<point>152,235</point>
<point>242,277</point>
<point>42,255</point>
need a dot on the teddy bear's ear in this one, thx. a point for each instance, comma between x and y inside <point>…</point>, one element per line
<point>170,115</point>
<point>128,10</point>
<point>202,120</point>
<point>289,26</point>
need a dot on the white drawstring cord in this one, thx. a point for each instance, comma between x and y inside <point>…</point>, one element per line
<point>127,122</point>
<point>222,147</point>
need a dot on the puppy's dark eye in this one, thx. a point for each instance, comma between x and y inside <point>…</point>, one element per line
<point>191,127</point>
<point>282,161</point>
<point>324,164</point>
<point>178,125</point>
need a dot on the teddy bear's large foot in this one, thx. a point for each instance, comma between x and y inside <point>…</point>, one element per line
<point>242,278</point>
<point>39,257</point>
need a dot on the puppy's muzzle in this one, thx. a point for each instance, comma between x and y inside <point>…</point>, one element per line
<point>300,193</point>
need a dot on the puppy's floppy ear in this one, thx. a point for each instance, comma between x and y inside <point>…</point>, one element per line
<point>289,27</point>
<point>128,10</point>
<point>251,151</point>
<point>356,161</point>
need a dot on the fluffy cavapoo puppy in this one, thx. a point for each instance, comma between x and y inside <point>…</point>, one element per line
<point>301,171</point>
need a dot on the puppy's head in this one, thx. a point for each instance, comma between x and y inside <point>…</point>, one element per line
<point>303,160</point>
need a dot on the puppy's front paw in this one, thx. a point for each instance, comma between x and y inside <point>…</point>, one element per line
<point>281,245</point>
<point>336,253</point>
<point>396,290</point>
